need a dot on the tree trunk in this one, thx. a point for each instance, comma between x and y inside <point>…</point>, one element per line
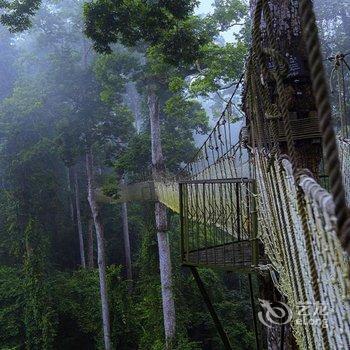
<point>126,236</point>
<point>134,103</point>
<point>90,260</point>
<point>69,180</point>
<point>158,168</point>
<point>101,259</point>
<point>79,224</point>
<point>287,33</point>
<point>297,84</point>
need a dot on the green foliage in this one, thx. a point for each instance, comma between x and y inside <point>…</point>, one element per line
<point>228,13</point>
<point>11,308</point>
<point>165,24</point>
<point>78,303</point>
<point>17,14</point>
<point>219,68</point>
<point>181,118</point>
<point>192,316</point>
<point>137,157</point>
<point>63,98</point>
<point>123,312</point>
<point>77,299</point>
<point>181,44</point>
<point>113,72</point>
<point>39,316</point>
<point>110,186</point>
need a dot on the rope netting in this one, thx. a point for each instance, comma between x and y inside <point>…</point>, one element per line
<point>218,226</point>
<point>221,156</point>
<point>285,242</point>
<point>304,229</point>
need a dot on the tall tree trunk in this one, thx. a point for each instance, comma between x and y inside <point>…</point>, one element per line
<point>158,168</point>
<point>69,180</point>
<point>286,33</point>
<point>126,236</point>
<point>134,103</point>
<point>297,84</point>
<point>78,214</point>
<point>101,259</point>
<point>90,260</point>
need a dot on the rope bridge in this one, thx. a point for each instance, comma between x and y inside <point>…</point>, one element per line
<point>296,255</point>
<point>234,195</point>
<point>246,206</point>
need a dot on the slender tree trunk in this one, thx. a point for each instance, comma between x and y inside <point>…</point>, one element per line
<point>126,236</point>
<point>158,168</point>
<point>69,180</point>
<point>101,259</point>
<point>134,103</point>
<point>79,224</point>
<point>90,260</point>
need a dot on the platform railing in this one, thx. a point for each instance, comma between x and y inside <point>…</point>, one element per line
<point>219,223</point>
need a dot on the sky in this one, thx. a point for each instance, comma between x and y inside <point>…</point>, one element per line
<point>204,8</point>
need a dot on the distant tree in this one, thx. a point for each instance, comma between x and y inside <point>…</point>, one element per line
<point>169,29</point>
<point>17,14</point>
<point>165,24</point>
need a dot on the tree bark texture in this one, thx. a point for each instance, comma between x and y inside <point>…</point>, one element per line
<point>158,168</point>
<point>69,180</point>
<point>90,258</point>
<point>286,30</point>
<point>126,237</point>
<point>78,214</point>
<point>101,258</point>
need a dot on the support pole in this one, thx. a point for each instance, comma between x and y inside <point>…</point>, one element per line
<point>211,309</point>
<point>255,321</point>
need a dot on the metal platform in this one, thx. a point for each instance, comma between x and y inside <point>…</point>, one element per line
<point>238,256</point>
<point>219,225</point>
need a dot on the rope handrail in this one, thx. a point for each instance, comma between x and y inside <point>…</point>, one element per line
<point>217,124</point>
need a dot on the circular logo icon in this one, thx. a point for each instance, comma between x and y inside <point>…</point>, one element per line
<point>274,313</point>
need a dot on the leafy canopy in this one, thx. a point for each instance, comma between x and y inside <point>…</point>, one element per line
<point>169,25</point>
<point>17,14</point>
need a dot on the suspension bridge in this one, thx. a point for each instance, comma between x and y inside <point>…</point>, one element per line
<point>275,199</point>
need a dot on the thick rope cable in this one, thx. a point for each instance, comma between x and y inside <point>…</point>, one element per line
<point>320,90</point>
